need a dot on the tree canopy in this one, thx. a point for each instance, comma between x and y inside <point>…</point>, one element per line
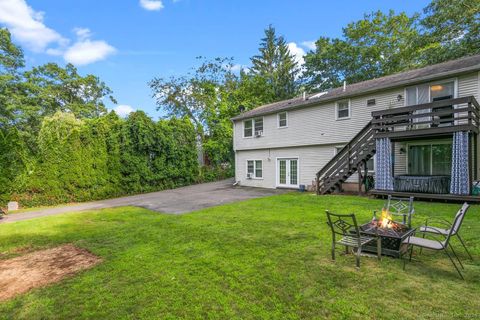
<point>381,44</point>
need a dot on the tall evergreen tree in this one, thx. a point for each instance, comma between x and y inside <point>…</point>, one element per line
<point>277,65</point>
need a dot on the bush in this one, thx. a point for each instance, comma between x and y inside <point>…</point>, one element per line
<point>80,160</point>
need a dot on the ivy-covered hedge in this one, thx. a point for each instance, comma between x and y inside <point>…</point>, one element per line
<point>80,160</point>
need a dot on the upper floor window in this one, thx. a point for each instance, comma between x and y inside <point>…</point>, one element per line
<point>343,109</point>
<point>282,120</point>
<point>248,128</point>
<point>253,127</point>
<point>426,93</point>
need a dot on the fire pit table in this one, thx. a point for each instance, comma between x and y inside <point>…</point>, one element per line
<point>391,233</point>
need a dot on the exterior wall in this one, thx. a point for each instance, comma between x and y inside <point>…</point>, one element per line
<point>400,164</point>
<point>313,133</point>
<point>316,125</point>
<point>310,159</point>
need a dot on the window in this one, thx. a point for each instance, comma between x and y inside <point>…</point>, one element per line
<point>430,159</point>
<point>282,120</point>
<point>247,128</point>
<point>255,168</point>
<point>253,127</point>
<point>343,109</point>
<point>258,124</point>
<point>426,93</point>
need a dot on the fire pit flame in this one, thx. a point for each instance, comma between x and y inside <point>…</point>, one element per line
<point>386,225</point>
<point>386,220</point>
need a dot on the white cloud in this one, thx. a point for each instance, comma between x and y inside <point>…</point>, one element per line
<point>151,5</point>
<point>82,33</point>
<point>27,25</point>
<point>297,52</point>
<point>309,45</point>
<point>87,51</point>
<point>123,110</point>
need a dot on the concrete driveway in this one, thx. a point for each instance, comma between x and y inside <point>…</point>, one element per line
<point>175,201</point>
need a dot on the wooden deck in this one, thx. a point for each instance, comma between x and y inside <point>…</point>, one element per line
<point>427,196</point>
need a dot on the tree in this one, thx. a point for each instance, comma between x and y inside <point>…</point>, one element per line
<point>378,45</point>
<point>11,60</point>
<point>451,29</point>
<point>11,56</point>
<point>276,65</point>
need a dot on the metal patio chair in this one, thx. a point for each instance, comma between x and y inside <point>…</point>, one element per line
<point>439,244</point>
<point>445,228</point>
<point>403,207</point>
<point>345,225</point>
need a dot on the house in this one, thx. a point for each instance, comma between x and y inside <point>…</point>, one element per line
<point>413,132</point>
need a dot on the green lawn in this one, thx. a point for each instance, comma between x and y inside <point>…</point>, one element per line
<point>259,259</point>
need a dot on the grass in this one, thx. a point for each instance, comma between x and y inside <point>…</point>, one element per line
<point>259,259</point>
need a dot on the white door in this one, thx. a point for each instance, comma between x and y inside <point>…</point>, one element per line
<point>287,173</point>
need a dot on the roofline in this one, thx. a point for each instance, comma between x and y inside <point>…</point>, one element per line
<point>376,89</point>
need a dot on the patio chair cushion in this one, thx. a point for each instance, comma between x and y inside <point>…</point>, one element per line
<point>434,230</point>
<point>425,243</point>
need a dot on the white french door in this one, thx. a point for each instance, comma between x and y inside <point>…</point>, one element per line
<point>287,172</point>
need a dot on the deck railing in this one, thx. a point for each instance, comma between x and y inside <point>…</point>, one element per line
<point>435,118</point>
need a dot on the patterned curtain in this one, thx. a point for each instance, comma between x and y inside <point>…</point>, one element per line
<point>383,169</point>
<point>460,182</point>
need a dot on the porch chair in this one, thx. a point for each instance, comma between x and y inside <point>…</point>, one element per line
<point>445,229</point>
<point>403,207</point>
<point>439,244</point>
<point>345,225</point>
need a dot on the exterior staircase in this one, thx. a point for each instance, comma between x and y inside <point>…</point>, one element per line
<point>347,161</point>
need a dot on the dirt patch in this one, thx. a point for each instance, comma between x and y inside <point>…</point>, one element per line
<point>19,275</point>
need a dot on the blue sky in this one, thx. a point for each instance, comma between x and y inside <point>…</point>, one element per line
<point>128,42</point>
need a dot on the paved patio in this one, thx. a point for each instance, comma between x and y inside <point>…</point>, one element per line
<point>174,201</point>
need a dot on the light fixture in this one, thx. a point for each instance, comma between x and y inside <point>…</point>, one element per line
<point>399,98</point>
<point>437,87</point>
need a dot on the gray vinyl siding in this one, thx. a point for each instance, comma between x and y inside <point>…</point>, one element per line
<point>400,166</point>
<point>313,133</point>
<point>316,125</point>
<point>468,85</point>
<point>310,159</point>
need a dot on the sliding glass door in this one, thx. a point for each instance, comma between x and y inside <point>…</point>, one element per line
<point>430,158</point>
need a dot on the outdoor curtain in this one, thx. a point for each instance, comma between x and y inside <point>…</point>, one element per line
<point>460,182</point>
<point>383,169</point>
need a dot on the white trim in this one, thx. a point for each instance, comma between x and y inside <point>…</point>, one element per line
<point>277,173</point>
<point>278,120</point>
<point>254,169</point>
<point>253,127</point>
<point>349,109</point>
<point>430,84</point>
<point>243,129</point>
